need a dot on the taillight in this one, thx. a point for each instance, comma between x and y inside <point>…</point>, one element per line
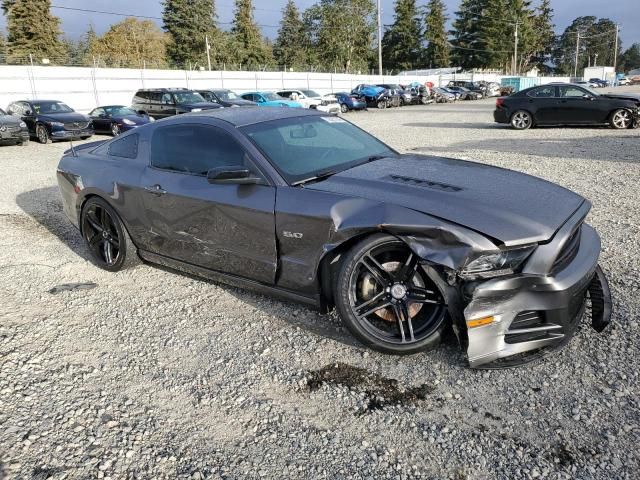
<point>499,101</point>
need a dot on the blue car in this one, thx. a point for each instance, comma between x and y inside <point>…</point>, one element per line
<point>115,119</point>
<point>270,99</point>
<point>349,102</point>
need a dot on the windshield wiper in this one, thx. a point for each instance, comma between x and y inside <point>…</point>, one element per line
<point>316,178</point>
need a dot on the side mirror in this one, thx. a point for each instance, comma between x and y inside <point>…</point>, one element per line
<point>103,115</point>
<point>28,113</point>
<point>586,96</point>
<point>232,174</point>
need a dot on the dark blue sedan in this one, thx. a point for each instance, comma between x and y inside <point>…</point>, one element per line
<point>115,119</point>
<point>348,102</point>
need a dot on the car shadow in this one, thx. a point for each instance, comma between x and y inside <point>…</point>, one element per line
<point>44,205</point>
<point>590,148</point>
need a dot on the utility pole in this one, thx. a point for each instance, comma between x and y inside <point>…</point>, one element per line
<point>515,50</point>
<point>615,52</point>
<point>379,39</point>
<point>575,67</point>
<point>595,60</point>
<point>206,39</point>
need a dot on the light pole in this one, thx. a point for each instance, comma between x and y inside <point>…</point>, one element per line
<point>379,39</point>
<point>575,67</point>
<point>515,50</point>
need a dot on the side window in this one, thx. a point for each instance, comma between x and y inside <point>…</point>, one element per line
<point>572,92</point>
<point>167,99</point>
<point>542,92</point>
<point>15,109</point>
<point>28,108</point>
<point>155,97</point>
<point>97,112</point>
<point>125,147</point>
<point>194,149</point>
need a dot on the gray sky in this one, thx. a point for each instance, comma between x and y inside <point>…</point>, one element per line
<point>267,13</point>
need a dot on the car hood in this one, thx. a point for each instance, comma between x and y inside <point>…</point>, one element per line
<point>9,120</point>
<point>64,117</point>
<point>510,207</point>
<point>634,97</point>
<point>137,119</point>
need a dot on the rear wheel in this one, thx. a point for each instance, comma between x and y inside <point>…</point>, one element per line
<point>106,237</point>
<point>521,120</point>
<point>344,108</point>
<point>42,134</point>
<point>621,119</point>
<point>382,104</point>
<point>387,300</point>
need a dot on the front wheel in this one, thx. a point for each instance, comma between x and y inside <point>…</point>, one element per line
<point>387,300</point>
<point>521,120</point>
<point>42,134</point>
<point>382,104</point>
<point>344,108</point>
<point>115,129</point>
<point>621,119</point>
<point>106,237</point>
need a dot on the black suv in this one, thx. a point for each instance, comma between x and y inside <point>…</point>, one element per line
<point>166,102</point>
<point>52,120</point>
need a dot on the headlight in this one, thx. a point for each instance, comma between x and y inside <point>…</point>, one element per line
<point>56,124</point>
<point>497,263</point>
<point>196,109</point>
<point>23,125</point>
<point>126,121</point>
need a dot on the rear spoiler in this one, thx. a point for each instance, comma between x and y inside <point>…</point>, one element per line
<point>84,146</point>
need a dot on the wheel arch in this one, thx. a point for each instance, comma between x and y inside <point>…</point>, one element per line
<point>105,198</point>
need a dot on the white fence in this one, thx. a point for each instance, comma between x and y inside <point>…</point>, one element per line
<point>85,88</point>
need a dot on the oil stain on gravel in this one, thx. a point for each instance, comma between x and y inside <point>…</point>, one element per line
<point>379,391</point>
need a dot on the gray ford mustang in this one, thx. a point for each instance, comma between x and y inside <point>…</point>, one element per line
<point>307,206</point>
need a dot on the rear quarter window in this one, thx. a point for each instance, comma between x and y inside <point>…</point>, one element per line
<point>125,147</point>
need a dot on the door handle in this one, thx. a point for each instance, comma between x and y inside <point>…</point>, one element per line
<point>155,190</point>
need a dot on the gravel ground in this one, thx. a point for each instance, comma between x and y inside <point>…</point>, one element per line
<point>151,374</point>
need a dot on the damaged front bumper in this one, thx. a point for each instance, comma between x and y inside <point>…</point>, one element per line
<point>537,311</point>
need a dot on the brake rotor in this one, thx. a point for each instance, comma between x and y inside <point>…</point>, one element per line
<point>370,287</point>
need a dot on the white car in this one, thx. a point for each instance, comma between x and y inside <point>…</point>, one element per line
<point>312,99</point>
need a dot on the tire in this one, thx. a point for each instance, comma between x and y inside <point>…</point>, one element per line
<point>521,120</point>
<point>107,239</point>
<point>382,104</point>
<point>621,119</point>
<point>85,138</point>
<point>115,129</point>
<point>424,100</point>
<point>344,108</point>
<point>370,297</point>
<point>42,134</point>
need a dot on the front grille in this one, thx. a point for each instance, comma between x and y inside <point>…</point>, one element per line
<point>568,252</point>
<point>76,125</point>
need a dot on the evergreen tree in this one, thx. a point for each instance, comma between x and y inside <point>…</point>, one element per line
<point>292,44</point>
<point>544,28</point>
<point>437,53</point>
<point>252,49</point>
<point>3,46</point>
<point>188,23</point>
<point>466,51</point>
<point>32,29</point>
<point>597,36</point>
<point>342,33</point>
<point>630,59</point>
<point>401,43</point>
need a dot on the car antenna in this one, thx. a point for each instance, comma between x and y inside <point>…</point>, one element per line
<point>73,150</point>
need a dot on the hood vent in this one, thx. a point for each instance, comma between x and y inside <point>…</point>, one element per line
<point>416,182</point>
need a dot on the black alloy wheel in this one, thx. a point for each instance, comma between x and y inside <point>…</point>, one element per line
<point>387,299</point>
<point>42,134</point>
<point>106,237</point>
<point>115,129</point>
